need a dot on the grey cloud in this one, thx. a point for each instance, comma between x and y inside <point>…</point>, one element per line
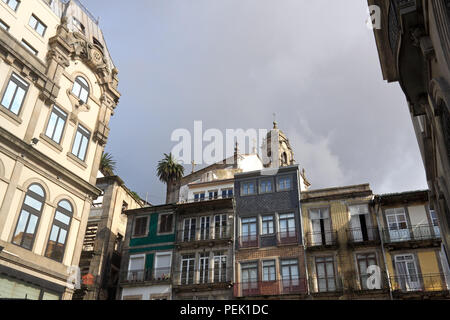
<point>232,63</point>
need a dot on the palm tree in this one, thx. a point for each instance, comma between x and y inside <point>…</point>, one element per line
<point>107,164</point>
<point>169,171</point>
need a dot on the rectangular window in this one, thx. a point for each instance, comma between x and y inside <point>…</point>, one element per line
<point>265,186</point>
<point>187,269</point>
<point>269,272</point>
<point>189,230</point>
<point>213,195</point>
<point>435,223</point>
<point>140,227</point>
<point>227,193</point>
<point>248,188</point>
<point>249,234</point>
<point>136,268</point>
<point>166,223</point>
<point>56,124</point>
<point>29,47</point>
<point>220,226</point>
<point>249,274</point>
<point>204,268</point>
<point>163,264</point>
<point>407,274</point>
<point>3,25</point>
<point>205,224</point>
<point>398,225</point>
<point>15,93</point>
<point>220,267</point>
<point>13,4</point>
<point>199,197</point>
<point>287,226</point>
<point>284,183</point>
<point>360,224</point>
<point>81,142</point>
<point>364,262</point>
<point>326,277</point>
<point>268,225</point>
<point>321,227</point>
<point>37,25</point>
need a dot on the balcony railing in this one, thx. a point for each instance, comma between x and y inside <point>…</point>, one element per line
<point>287,237</point>
<point>204,234</point>
<point>419,283</point>
<point>320,285</point>
<point>362,236</point>
<point>147,275</point>
<point>366,282</point>
<point>270,288</point>
<point>321,239</point>
<point>209,276</point>
<point>207,198</point>
<point>414,233</point>
<point>268,240</point>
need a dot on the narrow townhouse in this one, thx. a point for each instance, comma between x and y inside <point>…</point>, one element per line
<point>415,256</point>
<point>342,242</point>
<point>146,268</point>
<point>203,256</point>
<point>270,261</point>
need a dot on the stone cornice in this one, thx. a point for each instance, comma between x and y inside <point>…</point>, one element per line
<point>31,67</point>
<point>43,160</point>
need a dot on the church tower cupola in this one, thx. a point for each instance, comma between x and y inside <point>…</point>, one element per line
<point>278,150</point>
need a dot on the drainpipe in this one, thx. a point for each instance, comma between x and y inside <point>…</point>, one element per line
<point>377,203</point>
<point>233,249</point>
<point>302,231</point>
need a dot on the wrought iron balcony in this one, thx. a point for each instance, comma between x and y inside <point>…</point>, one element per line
<point>146,275</point>
<point>271,288</point>
<point>249,241</point>
<point>269,240</point>
<point>367,236</point>
<point>320,240</point>
<point>420,283</point>
<point>207,198</point>
<point>288,237</point>
<point>365,283</point>
<point>418,233</point>
<point>209,277</point>
<point>204,234</point>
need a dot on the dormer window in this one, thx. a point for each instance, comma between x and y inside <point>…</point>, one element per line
<point>79,25</point>
<point>97,43</point>
<point>81,89</point>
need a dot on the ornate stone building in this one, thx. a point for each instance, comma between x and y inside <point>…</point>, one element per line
<point>414,49</point>
<point>58,91</point>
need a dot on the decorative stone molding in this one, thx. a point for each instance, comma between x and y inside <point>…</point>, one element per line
<point>66,45</point>
<point>101,133</point>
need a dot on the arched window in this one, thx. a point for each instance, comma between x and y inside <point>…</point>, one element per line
<point>60,229</point>
<point>285,159</point>
<point>81,89</point>
<point>30,215</point>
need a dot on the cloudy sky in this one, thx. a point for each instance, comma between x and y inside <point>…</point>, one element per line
<point>233,63</point>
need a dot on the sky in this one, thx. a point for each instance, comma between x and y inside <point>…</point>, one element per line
<point>234,63</point>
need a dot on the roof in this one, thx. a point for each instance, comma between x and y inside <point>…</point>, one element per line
<point>362,190</point>
<point>267,170</point>
<point>74,8</point>
<point>402,197</point>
